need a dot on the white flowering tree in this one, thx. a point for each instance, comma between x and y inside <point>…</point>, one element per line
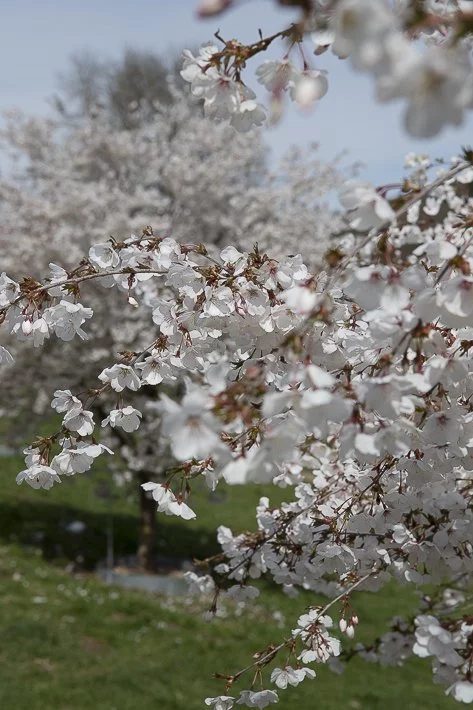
<point>351,388</point>
<point>75,182</point>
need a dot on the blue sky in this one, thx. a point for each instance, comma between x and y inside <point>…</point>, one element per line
<point>38,36</point>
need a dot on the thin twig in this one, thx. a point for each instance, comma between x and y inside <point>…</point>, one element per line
<point>402,211</point>
<point>268,656</point>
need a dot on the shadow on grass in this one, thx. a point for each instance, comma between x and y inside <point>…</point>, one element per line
<point>45,526</point>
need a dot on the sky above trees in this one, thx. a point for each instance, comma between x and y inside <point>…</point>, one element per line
<point>36,40</point>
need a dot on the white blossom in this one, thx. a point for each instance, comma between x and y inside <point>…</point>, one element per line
<point>9,290</point>
<point>38,476</point>
<point>433,640</point>
<point>275,75</point>
<point>126,418</point>
<point>120,377</point>
<point>366,208</point>
<point>249,114</point>
<point>310,86</point>
<point>350,388</point>
<point>66,319</point>
<point>222,702</point>
<point>282,677</point>
<point>104,256</point>
<point>257,699</point>
<point>79,420</point>
<point>65,401</point>
<point>463,691</point>
<point>79,459</point>
<point>190,426</point>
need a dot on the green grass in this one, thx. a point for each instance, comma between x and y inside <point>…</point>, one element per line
<point>70,643</point>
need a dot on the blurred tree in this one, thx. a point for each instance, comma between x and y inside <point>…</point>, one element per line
<point>118,87</point>
<point>137,153</point>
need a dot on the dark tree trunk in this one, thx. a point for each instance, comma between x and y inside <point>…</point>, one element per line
<point>147,530</point>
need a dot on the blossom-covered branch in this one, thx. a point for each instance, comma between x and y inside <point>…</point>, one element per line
<point>378,37</point>
<point>353,388</point>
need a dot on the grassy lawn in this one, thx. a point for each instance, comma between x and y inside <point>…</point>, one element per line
<point>70,643</point>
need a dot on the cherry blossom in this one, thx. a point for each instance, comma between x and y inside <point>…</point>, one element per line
<point>66,319</point>
<point>463,691</point>
<point>360,30</point>
<point>224,98</point>
<point>308,87</point>
<point>202,584</point>
<point>433,640</point>
<point>275,75</point>
<point>282,677</point>
<point>167,502</point>
<point>343,399</point>
<point>80,421</point>
<point>190,426</point>
<point>258,699</point>
<point>222,702</point>
<point>127,418</point>
<point>9,290</point>
<point>250,113</point>
<point>376,36</point>
<point>206,9</point>
<point>38,476</point>
<point>351,388</point>
<point>65,401</point>
<point>151,368</point>
<point>366,208</point>
<point>322,40</point>
<point>104,256</point>
<point>79,459</point>
<point>120,377</point>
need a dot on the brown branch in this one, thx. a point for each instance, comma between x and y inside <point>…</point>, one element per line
<point>287,642</point>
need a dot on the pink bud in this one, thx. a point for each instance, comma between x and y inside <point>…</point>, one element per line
<point>27,327</point>
<point>354,620</point>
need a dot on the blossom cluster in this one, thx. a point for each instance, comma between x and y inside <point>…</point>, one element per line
<point>435,81</point>
<point>351,388</point>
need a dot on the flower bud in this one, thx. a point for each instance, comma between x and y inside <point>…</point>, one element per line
<point>26,327</point>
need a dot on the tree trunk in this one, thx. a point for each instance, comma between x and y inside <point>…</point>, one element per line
<point>147,533</point>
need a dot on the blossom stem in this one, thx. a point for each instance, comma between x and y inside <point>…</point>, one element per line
<point>270,655</point>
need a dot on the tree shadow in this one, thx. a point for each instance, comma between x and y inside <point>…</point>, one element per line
<point>48,527</point>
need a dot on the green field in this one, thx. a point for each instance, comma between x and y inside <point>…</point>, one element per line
<point>70,642</point>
